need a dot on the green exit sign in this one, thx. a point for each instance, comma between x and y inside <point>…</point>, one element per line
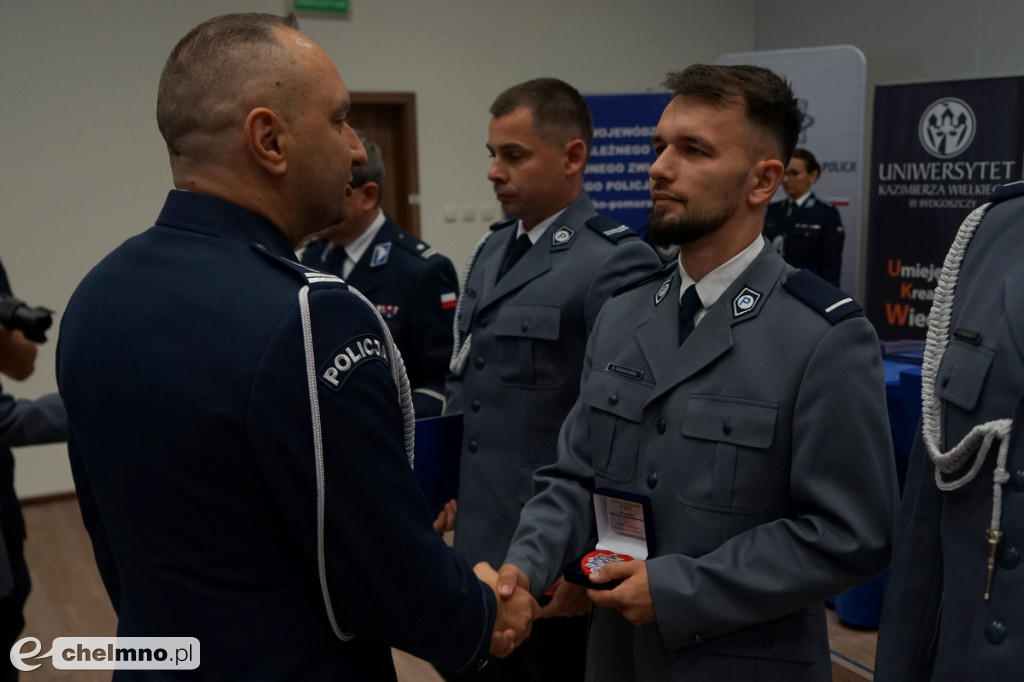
<point>323,5</point>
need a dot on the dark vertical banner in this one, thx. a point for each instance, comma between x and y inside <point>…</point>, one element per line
<point>938,151</point>
<point>616,174</point>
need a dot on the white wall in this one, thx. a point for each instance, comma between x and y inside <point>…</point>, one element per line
<point>85,168</point>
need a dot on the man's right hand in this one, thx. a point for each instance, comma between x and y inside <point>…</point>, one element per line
<point>516,612</point>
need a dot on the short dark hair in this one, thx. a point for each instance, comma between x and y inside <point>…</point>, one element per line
<point>560,114</point>
<point>767,97</point>
<point>214,62</point>
<point>808,158</point>
<point>373,169</point>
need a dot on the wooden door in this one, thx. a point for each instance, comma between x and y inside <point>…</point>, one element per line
<point>390,119</point>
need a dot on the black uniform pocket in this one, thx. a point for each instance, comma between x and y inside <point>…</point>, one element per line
<point>527,346</point>
<point>962,374</point>
<point>724,463</point>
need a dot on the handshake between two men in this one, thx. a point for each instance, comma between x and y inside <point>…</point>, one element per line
<point>517,609</point>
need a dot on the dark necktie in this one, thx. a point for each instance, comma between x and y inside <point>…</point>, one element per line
<point>790,207</point>
<point>334,261</point>
<point>689,304</point>
<point>515,252</point>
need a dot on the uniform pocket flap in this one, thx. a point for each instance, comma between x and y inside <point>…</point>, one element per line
<point>612,393</point>
<point>962,373</point>
<point>730,420</point>
<point>529,321</point>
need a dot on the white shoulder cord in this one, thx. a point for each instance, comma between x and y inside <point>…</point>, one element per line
<point>405,399</point>
<point>460,349</point>
<point>980,438</point>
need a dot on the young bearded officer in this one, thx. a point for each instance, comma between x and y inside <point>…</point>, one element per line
<point>412,286</point>
<point>744,399</point>
<point>239,428</point>
<point>533,290</point>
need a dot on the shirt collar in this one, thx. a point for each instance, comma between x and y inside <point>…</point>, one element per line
<point>538,230</point>
<point>357,247</point>
<point>714,284</point>
<point>802,200</point>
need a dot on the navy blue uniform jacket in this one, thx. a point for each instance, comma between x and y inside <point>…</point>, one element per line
<point>191,433</point>
<point>812,236</point>
<point>414,288</point>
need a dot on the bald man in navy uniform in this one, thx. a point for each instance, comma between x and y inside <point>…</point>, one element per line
<point>413,287</point>
<point>239,424</point>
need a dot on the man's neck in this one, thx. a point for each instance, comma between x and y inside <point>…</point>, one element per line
<point>350,232</point>
<point>704,255</point>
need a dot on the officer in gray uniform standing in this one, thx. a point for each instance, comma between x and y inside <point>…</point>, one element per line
<point>531,293</point>
<point>953,605</point>
<point>743,400</point>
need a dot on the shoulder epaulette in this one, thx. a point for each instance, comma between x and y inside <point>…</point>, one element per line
<point>667,269</point>
<point>503,223</point>
<point>1008,191</point>
<point>831,302</point>
<point>610,229</point>
<point>304,273</point>
<point>414,245</point>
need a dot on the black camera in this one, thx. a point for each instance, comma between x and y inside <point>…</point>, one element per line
<point>33,322</point>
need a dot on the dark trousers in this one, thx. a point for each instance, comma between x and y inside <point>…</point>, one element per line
<point>555,651</point>
<point>12,619</point>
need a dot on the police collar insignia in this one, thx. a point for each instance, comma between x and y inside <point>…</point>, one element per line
<point>663,291</point>
<point>380,254</point>
<point>561,236</point>
<point>745,302</point>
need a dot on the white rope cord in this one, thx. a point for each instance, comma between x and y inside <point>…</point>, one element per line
<point>978,441</point>
<point>401,380</point>
<point>460,350</point>
<point>318,455</point>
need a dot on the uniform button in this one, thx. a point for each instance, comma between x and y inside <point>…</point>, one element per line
<point>475,406</point>
<point>995,632</point>
<point>1017,481</point>
<point>479,363</point>
<point>525,325</point>
<point>1009,557</point>
<point>767,642</point>
<point>945,380</point>
<point>613,399</point>
<point>727,427</point>
<point>661,426</point>
<point>652,480</point>
<point>472,447</point>
<point>483,321</point>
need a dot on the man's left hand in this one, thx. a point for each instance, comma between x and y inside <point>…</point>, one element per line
<point>632,598</point>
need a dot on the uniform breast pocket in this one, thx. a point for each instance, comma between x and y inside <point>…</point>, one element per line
<point>615,429</point>
<point>962,374</point>
<point>725,462</point>
<point>527,346</point>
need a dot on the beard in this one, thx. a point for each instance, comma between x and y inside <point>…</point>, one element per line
<point>675,230</point>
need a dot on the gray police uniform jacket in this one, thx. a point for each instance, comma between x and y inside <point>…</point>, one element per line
<point>763,443</point>
<point>935,623</point>
<point>529,332</point>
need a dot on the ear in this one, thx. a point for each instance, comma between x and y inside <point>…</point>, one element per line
<point>371,195</point>
<point>814,176</point>
<point>264,140</point>
<point>575,157</point>
<point>765,178</point>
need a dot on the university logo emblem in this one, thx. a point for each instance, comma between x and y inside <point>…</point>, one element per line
<point>947,127</point>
